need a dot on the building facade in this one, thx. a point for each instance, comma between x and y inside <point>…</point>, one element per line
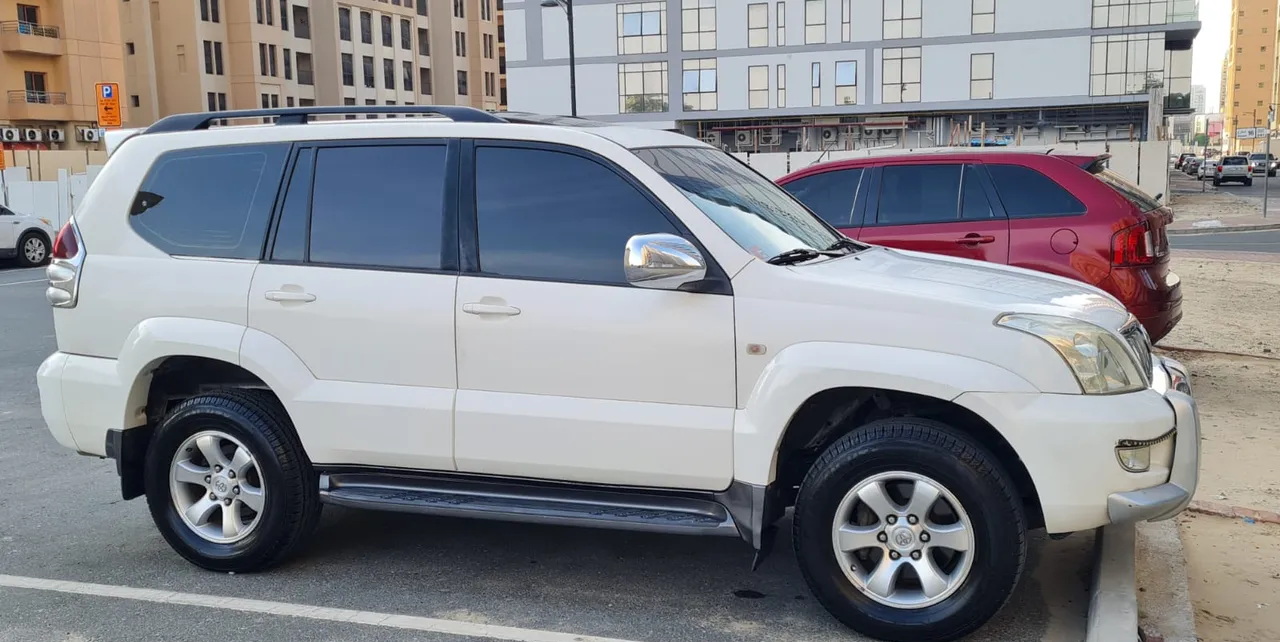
<point>52,53</point>
<point>215,55</point>
<point>1198,99</point>
<point>864,72</point>
<point>1250,71</point>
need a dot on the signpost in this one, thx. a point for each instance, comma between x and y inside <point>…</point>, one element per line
<point>1271,117</point>
<point>108,104</point>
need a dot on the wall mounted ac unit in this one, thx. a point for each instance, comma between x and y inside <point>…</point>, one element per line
<point>711,138</point>
<point>868,132</point>
<point>31,134</point>
<point>830,135</point>
<point>744,137</point>
<point>87,134</point>
<point>770,137</point>
<point>10,135</point>
<point>56,135</point>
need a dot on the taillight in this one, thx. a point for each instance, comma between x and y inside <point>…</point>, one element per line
<point>65,267</point>
<point>1133,246</point>
<point>1219,168</point>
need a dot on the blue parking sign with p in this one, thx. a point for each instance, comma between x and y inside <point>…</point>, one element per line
<point>107,91</point>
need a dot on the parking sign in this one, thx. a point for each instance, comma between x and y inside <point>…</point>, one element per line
<point>108,104</point>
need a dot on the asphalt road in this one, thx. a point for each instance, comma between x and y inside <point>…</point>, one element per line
<point>62,519</point>
<point>1261,241</point>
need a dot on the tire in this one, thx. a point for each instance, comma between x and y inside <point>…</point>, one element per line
<point>279,477</point>
<point>33,250</point>
<point>1216,182</point>
<point>1248,182</point>
<point>965,472</point>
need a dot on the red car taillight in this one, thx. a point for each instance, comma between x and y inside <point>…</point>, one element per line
<point>65,246</point>
<point>1219,168</point>
<point>65,267</point>
<point>1132,246</point>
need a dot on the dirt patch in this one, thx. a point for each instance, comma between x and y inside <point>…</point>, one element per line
<point>1211,205</point>
<point>1234,573</point>
<point>1230,306</point>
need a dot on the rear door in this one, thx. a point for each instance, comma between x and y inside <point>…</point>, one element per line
<point>942,208</point>
<point>1043,217</point>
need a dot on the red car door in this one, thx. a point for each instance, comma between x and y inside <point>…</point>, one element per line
<point>942,208</point>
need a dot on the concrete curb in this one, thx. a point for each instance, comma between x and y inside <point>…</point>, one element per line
<point>1164,597</point>
<point>1113,594</point>
<point>1258,227</point>
<point>1224,510</point>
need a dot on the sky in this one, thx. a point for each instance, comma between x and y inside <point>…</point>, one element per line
<point>1210,46</point>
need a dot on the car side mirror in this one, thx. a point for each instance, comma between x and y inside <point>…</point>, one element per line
<point>662,262</point>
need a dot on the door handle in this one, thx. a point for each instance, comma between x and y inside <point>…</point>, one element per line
<point>490,309</point>
<point>289,297</point>
<point>974,239</point>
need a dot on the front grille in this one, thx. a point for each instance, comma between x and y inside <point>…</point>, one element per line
<point>1141,344</point>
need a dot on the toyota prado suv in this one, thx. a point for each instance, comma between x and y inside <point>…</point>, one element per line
<point>544,319</point>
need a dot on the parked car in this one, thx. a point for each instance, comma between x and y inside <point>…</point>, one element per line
<point>556,321</point>
<point>1065,215</point>
<point>1192,165</point>
<point>1181,159</point>
<point>1259,163</point>
<point>1230,168</point>
<point>25,237</point>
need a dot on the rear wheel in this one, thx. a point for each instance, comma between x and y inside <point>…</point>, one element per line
<point>1248,182</point>
<point>907,530</point>
<point>33,250</point>
<point>1216,182</point>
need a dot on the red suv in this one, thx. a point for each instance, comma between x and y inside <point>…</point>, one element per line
<point>1065,215</point>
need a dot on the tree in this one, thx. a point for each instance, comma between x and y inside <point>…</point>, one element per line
<point>1201,140</point>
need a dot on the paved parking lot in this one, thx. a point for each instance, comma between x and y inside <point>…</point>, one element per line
<point>64,520</point>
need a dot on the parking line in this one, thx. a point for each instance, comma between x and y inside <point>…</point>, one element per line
<point>369,618</point>
<point>24,282</point>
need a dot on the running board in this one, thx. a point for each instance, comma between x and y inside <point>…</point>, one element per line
<point>520,501</point>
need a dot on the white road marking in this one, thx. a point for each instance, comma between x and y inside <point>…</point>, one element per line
<point>24,282</point>
<point>370,618</point>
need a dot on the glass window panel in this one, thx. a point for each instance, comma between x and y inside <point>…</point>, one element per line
<point>631,24</point>
<point>815,34</point>
<point>911,70</point>
<point>846,73</point>
<point>984,6</point>
<point>911,93</point>
<point>892,9</point>
<point>846,95</point>
<point>892,71</point>
<point>911,29</point>
<point>650,23</point>
<point>981,65</point>
<point>892,29</point>
<point>708,80</point>
<point>707,40</point>
<point>984,23</point>
<point>911,8</point>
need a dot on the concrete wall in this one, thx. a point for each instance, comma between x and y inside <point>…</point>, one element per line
<point>44,165</point>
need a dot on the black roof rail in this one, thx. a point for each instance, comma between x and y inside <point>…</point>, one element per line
<point>300,115</point>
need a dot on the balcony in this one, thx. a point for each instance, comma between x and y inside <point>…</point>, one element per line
<point>1184,24</point>
<point>31,38</point>
<point>38,105</point>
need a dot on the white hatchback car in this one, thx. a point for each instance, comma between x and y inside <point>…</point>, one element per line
<point>25,238</point>
<point>551,320</point>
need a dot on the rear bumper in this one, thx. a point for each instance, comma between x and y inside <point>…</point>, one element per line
<point>98,400</point>
<point>1155,298</point>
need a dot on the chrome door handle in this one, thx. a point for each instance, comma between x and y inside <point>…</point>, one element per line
<point>289,297</point>
<point>489,309</point>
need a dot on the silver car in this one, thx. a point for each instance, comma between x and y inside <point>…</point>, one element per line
<point>1259,163</point>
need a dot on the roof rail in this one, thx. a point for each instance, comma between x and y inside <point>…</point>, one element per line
<point>300,115</point>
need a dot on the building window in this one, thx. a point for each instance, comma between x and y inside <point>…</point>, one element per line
<point>217,58</point>
<point>1125,64</point>
<point>266,101</point>
<point>984,16</point>
<point>815,83</point>
<point>366,27</point>
<point>204,15</point>
<point>302,24</point>
<point>642,87</point>
<point>847,82</point>
<point>641,27</point>
<point>758,25</point>
<point>212,98</point>
<point>1177,77</point>
<point>222,102</point>
<point>490,83</point>
<point>348,71</point>
<point>386,31</point>
<point>408,75</point>
<point>344,23</point>
<point>698,24</point>
<point>258,15</point>
<point>215,17</point>
<point>424,42</point>
<point>135,100</point>
<point>208,57</point>
<point>782,86</point>
<point>288,101</point>
<point>462,83</point>
<point>486,10</point>
<point>815,21</point>
<point>367,64</point>
<point>1129,13</point>
<point>406,35</point>
<point>424,80</point>
<point>271,17</point>
<point>284,15</point>
<point>209,11</point>
<point>758,87</point>
<point>262,59</point>
<point>901,19</point>
<point>459,11</point>
<point>275,101</point>
<point>982,73</point>
<point>422,7</point>
<point>388,73</point>
<point>460,44</point>
<point>699,84</point>
<point>846,20</point>
<point>782,24</point>
<point>288,64</point>
<point>901,72</point>
<point>1237,86</point>
<point>129,48</point>
<point>271,58</point>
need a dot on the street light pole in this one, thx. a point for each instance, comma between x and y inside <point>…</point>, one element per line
<point>567,5</point>
<point>1266,184</point>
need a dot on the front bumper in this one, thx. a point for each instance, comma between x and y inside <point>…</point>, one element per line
<point>1170,498</point>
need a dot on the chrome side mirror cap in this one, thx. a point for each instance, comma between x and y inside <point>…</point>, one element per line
<point>662,262</point>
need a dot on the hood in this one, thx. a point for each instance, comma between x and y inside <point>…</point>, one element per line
<point>994,288</point>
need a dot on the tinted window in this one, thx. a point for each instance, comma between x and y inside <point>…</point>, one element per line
<point>365,213</point>
<point>291,230</point>
<point>918,194</point>
<point>552,215</point>
<point>974,203</point>
<point>1129,191</point>
<point>1239,160</point>
<point>830,194</point>
<point>211,201</point>
<point>1026,192</point>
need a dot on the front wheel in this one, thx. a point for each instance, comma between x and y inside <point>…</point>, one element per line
<point>33,250</point>
<point>908,530</point>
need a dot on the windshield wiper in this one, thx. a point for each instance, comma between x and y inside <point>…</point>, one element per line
<point>791,257</point>
<point>847,244</point>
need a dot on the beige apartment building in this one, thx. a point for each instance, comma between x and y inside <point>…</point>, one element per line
<point>215,55</point>
<point>1250,70</point>
<point>52,53</point>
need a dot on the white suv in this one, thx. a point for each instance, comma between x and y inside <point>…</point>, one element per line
<point>551,320</point>
<point>25,238</point>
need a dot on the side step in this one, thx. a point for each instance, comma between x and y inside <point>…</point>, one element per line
<point>523,501</point>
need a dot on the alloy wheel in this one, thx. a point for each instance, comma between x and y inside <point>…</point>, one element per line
<point>34,249</point>
<point>217,487</point>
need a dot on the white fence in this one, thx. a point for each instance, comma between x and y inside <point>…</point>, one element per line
<point>54,200</point>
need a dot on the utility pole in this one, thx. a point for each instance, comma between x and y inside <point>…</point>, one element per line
<point>1266,184</point>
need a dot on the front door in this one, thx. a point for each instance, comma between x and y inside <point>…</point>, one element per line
<point>566,371</point>
<point>10,225</point>
<point>359,286</point>
<point>942,208</point>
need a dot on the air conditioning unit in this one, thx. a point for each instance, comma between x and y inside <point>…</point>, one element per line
<point>885,133</point>
<point>744,137</point>
<point>868,132</point>
<point>770,137</point>
<point>87,134</point>
<point>31,134</point>
<point>9,135</point>
<point>56,135</point>
<point>830,135</point>
<point>711,138</point>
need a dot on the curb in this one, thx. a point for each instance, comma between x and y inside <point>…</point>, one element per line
<point>1255,227</point>
<point>1164,594</point>
<point>1224,510</point>
<point>1164,348</point>
<point>1113,593</point>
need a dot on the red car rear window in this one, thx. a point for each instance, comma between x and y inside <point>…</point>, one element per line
<point>1131,192</point>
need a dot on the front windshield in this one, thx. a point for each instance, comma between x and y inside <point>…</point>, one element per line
<point>763,218</point>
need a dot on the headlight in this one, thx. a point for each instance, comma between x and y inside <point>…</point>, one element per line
<point>1097,357</point>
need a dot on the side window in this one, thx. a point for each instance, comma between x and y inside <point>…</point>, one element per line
<point>1026,192</point>
<point>365,214</point>
<point>291,230</point>
<point>974,204</point>
<point>552,215</point>
<point>830,194</point>
<point>911,194</point>
<point>210,201</point>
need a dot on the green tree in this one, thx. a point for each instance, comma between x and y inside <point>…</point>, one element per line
<point>1201,140</point>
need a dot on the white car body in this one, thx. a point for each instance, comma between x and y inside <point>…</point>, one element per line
<point>610,386</point>
<point>18,227</point>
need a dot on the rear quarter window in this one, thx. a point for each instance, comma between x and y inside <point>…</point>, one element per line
<point>210,201</point>
<point>1026,193</point>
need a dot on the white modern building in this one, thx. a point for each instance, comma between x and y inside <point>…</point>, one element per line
<point>1198,99</point>
<point>791,74</point>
